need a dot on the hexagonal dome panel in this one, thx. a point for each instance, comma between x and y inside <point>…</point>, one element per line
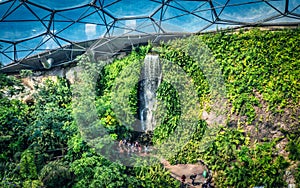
<point>33,29</point>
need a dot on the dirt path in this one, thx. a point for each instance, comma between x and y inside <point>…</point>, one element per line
<point>177,171</point>
<point>187,169</point>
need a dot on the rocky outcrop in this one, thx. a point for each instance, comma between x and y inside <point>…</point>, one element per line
<point>38,77</point>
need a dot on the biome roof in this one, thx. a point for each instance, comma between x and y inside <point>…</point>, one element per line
<point>36,30</point>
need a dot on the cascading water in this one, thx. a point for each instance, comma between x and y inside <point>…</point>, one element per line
<point>150,80</point>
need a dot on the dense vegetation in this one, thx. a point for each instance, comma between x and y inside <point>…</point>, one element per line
<point>260,72</point>
<point>256,73</point>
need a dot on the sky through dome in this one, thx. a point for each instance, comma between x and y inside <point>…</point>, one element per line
<point>31,27</point>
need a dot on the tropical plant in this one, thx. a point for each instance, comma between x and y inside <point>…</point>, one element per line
<point>55,174</point>
<point>28,169</point>
<point>255,72</point>
<point>51,116</point>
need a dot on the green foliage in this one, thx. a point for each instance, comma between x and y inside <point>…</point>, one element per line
<point>258,68</point>
<point>112,176</point>
<point>110,72</point>
<point>294,145</point>
<point>51,116</point>
<point>297,175</point>
<point>76,147</point>
<point>169,96</point>
<point>53,92</point>
<point>222,151</point>
<point>252,63</point>
<point>259,165</point>
<point>95,171</point>
<point>190,152</point>
<point>236,163</point>
<point>26,73</point>
<point>111,99</point>
<point>258,63</point>
<point>175,52</point>
<point>55,174</point>
<point>32,184</point>
<point>152,174</point>
<point>27,165</point>
<point>9,175</point>
<point>13,120</point>
<point>10,85</point>
<point>242,166</point>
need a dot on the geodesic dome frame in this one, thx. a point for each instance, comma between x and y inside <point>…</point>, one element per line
<point>33,31</point>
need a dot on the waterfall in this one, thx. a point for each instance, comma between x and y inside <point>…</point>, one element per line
<point>150,80</point>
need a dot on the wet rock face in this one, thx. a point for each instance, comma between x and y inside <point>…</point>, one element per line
<point>38,77</point>
<point>266,127</point>
<point>212,118</point>
<point>71,74</point>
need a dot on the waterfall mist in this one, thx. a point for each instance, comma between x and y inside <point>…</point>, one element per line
<point>150,80</point>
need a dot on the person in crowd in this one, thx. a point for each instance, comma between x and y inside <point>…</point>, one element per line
<point>193,177</point>
<point>140,148</point>
<point>120,143</point>
<point>121,148</point>
<point>183,177</point>
<point>146,149</point>
<point>132,148</point>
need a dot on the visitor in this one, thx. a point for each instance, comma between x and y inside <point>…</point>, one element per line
<point>204,174</point>
<point>207,183</point>
<point>193,177</point>
<point>136,144</point>
<point>132,147</point>
<point>120,143</point>
<point>121,148</point>
<point>128,145</point>
<point>128,148</point>
<point>146,149</point>
<point>182,185</point>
